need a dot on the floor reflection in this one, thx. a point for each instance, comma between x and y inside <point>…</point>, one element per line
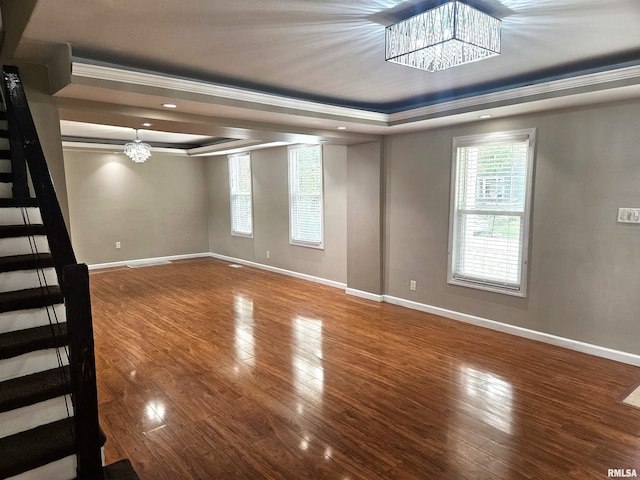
<point>244,339</point>
<point>156,410</point>
<point>492,397</point>
<point>308,374</point>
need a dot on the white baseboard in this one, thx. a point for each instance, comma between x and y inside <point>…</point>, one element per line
<point>596,350</point>
<point>145,261</point>
<point>290,273</point>
<point>367,295</point>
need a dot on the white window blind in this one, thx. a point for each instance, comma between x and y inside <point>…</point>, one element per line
<point>491,190</point>
<point>305,196</point>
<point>241,195</point>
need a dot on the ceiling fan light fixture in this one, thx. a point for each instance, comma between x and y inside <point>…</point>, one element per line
<point>446,36</point>
<point>138,151</point>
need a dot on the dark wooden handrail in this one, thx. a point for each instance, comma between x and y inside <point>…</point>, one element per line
<point>19,114</point>
<point>18,165</point>
<point>73,278</point>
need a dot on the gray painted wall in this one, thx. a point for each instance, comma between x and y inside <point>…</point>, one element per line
<point>47,121</point>
<point>157,208</point>
<point>15,16</point>
<point>271,215</point>
<point>364,207</point>
<point>584,267</point>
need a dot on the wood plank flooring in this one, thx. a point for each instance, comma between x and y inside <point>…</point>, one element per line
<point>211,372</point>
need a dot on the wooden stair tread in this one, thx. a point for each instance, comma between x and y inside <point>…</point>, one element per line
<point>30,261</point>
<point>6,177</point>
<point>30,298</point>
<point>7,231</point>
<point>37,387</point>
<point>13,344</point>
<point>36,447</point>
<point>18,202</point>
<point>47,443</point>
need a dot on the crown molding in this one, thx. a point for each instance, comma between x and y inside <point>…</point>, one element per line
<point>115,148</point>
<point>592,82</point>
<point>555,88</point>
<point>144,79</point>
<point>216,150</point>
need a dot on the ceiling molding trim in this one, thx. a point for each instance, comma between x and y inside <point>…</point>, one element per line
<point>552,89</point>
<point>195,152</point>
<point>113,148</point>
<point>216,147</point>
<point>112,74</point>
<point>594,82</point>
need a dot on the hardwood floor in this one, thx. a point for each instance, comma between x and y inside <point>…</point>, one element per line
<point>211,372</point>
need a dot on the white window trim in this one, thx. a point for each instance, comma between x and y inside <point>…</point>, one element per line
<point>292,241</point>
<point>231,158</point>
<point>487,139</point>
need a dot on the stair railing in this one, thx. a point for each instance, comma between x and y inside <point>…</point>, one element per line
<point>73,278</point>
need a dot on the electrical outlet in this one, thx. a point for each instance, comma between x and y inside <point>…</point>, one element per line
<point>117,244</point>
<point>268,254</point>
<point>412,285</point>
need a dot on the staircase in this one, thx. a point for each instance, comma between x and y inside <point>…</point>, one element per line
<point>46,414</point>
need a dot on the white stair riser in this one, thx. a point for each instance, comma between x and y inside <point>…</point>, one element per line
<point>23,279</point>
<point>4,143</point>
<point>23,319</point>
<point>32,416</point>
<point>19,216</point>
<point>22,245</point>
<point>4,125</point>
<point>6,190</point>
<point>63,469</point>
<point>31,362</point>
<point>5,165</point>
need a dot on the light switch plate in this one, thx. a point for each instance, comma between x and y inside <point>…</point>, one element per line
<point>629,215</point>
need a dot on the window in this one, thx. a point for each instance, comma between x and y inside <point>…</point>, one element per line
<point>491,183</point>
<point>240,190</point>
<point>491,187</point>
<point>305,196</point>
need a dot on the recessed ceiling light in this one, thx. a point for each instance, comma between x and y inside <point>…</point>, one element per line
<point>169,105</point>
<point>146,124</point>
<point>341,128</point>
<point>484,116</point>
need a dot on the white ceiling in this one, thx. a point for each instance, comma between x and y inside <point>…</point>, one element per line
<point>295,70</point>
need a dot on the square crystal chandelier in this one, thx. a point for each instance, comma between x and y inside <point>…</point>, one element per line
<point>449,35</point>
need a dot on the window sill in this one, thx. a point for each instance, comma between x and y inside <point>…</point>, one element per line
<point>317,246</point>
<point>488,287</point>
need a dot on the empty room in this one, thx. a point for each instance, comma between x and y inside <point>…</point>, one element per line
<point>320,240</point>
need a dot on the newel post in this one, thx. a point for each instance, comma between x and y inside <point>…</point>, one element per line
<point>83,371</point>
